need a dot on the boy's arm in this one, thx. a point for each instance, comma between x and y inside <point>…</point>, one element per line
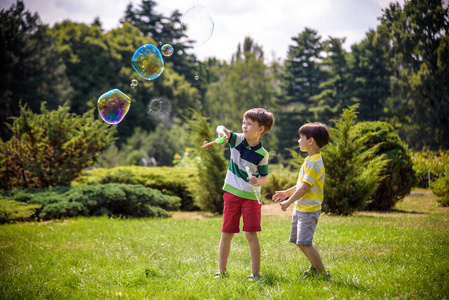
<point>282,195</point>
<point>261,180</point>
<point>223,132</point>
<point>303,189</point>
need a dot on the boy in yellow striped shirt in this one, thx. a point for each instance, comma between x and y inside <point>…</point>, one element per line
<point>307,195</point>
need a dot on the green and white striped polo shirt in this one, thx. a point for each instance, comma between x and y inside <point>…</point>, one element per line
<point>243,155</point>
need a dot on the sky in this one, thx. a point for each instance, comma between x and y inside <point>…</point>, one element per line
<point>270,23</point>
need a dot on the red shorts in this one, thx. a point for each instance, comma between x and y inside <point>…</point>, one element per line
<point>234,208</point>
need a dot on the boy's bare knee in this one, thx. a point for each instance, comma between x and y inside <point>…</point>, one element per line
<point>251,236</point>
<point>303,247</point>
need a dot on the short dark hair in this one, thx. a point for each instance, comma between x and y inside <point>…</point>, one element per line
<point>318,131</point>
<point>261,116</point>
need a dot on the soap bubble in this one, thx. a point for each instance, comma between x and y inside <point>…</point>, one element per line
<point>197,77</point>
<point>148,62</point>
<point>134,82</point>
<point>167,50</point>
<point>159,109</point>
<point>197,24</point>
<point>113,106</point>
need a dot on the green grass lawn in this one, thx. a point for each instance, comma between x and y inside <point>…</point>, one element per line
<point>403,254</point>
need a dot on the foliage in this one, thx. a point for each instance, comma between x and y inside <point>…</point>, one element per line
<point>244,84</point>
<point>30,70</point>
<point>206,185</point>
<point>441,189</point>
<point>169,180</point>
<point>96,200</point>
<point>353,172</point>
<point>437,162</point>
<point>398,176</point>
<point>417,49</point>
<point>280,179</point>
<point>11,211</point>
<point>51,148</point>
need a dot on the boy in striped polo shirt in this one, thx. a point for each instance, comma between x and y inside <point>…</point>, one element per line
<point>239,197</point>
<point>307,195</point>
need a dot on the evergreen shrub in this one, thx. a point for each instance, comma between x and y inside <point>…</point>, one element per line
<point>353,171</point>
<point>441,189</point>
<point>11,211</point>
<point>95,200</point>
<point>398,176</point>
<point>171,181</point>
<point>51,148</point>
<point>206,186</point>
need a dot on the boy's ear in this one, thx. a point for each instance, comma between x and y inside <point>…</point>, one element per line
<point>261,129</point>
<point>311,141</point>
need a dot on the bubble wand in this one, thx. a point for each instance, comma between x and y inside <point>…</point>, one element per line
<point>255,190</point>
<point>217,141</point>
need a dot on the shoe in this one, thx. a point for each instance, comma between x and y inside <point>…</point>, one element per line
<point>328,277</point>
<point>253,277</point>
<point>311,272</point>
<point>220,275</point>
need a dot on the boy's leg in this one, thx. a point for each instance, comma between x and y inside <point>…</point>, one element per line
<point>314,257</point>
<point>224,249</point>
<point>254,248</point>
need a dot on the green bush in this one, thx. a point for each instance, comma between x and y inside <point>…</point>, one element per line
<point>51,148</point>
<point>353,172</point>
<point>171,181</point>
<point>441,189</point>
<point>398,176</point>
<point>11,211</point>
<point>279,180</point>
<point>95,200</point>
<point>437,162</point>
<point>207,186</point>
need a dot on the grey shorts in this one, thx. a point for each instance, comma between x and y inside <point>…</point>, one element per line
<point>303,227</point>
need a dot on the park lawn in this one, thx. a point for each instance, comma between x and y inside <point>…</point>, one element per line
<point>402,254</point>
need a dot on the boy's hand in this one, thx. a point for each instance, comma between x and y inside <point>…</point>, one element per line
<point>252,180</point>
<point>284,205</point>
<point>279,196</point>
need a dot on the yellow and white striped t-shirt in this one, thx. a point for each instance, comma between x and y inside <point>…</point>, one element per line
<point>312,172</point>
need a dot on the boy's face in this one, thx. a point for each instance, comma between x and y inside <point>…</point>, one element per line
<point>304,143</point>
<point>251,129</point>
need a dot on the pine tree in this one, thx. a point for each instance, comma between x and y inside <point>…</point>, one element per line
<point>300,81</point>
<point>30,69</point>
<point>352,171</point>
<point>206,187</point>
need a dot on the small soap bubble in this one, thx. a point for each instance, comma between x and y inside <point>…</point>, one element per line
<point>167,50</point>
<point>197,25</point>
<point>113,106</point>
<point>134,82</point>
<point>132,86</point>
<point>197,77</point>
<point>159,109</point>
<point>148,62</point>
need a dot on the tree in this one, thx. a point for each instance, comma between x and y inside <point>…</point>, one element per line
<point>52,148</point>
<point>206,188</point>
<point>353,172</point>
<point>335,91</point>
<point>369,79</point>
<point>163,30</point>
<point>300,81</point>
<point>30,69</point>
<point>244,84</point>
<point>417,50</point>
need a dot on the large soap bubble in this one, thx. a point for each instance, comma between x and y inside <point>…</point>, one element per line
<point>113,106</point>
<point>197,24</point>
<point>148,62</point>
